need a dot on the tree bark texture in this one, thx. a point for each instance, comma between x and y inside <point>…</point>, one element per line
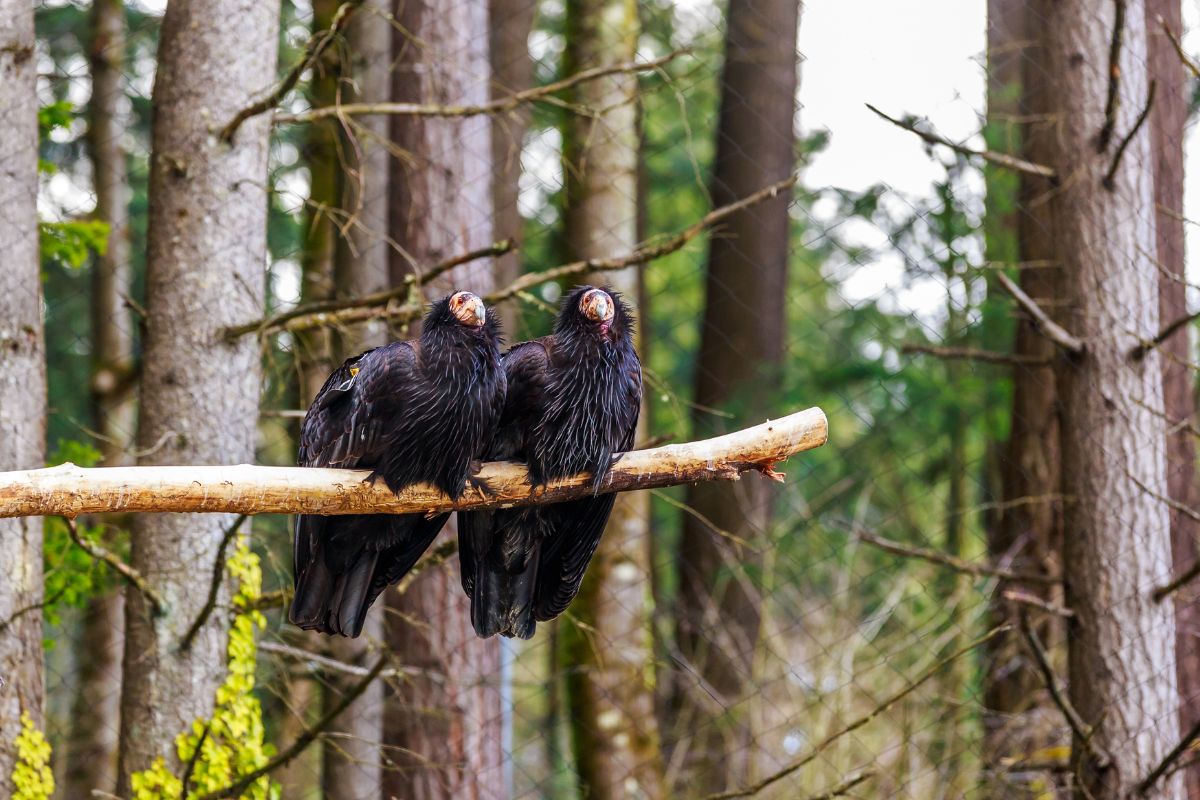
<point>742,343</point>
<point>509,25</point>
<point>445,736</point>
<point>205,260</point>
<point>352,760</point>
<point>22,378</point>
<point>609,654</point>
<point>96,708</point>
<point>1121,652</point>
<point>1167,122</point>
<point>1027,530</point>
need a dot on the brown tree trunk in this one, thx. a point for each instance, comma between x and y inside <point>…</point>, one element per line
<point>22,379</point>
<point>509,26</point>
<point>1027,530</point>
<point>1168,119</point>
<point>199,404</point>
<point>96,709</point>
<point>741,346</point>
<point>352,762</point>
<point>1121,651</point>
<point>607,655</point>
<point>444,728</point>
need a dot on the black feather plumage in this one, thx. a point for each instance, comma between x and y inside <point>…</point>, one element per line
<point>411,412</point>
<point>573,401</point>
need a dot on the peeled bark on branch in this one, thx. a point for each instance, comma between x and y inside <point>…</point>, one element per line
<point>69,490</point>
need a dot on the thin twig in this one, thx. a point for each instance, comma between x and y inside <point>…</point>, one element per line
<point>434,558</point>
<point>1114,79</point>
<point>1164,766</point>
<point>1081,729</point>
<point>972,354</point>
<point>1042,604</point>
<point>214,586</point>
<point>990,156</point>
<point>1178,45</point>
<point>1109,181</point>
<point>850,727</point>
<point>1139,352</point>
<point>132,576</point>
<point>953,562</point>
<point>1041,320</point>
<point>844,787</point>
<point>1163,592</point>
<point>317,45</point>
<point>20,612</point>
<point>499,106</point>
<point>325,310</point>
<point>191,764</point>
<point>307,737</point>
<point>323,662</point>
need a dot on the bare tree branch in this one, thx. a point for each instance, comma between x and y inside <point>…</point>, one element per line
<point>324,312</point>
<point>101,553</point>
<point>1139,352</point>
<point>1114,78</point>
<point>1178,45</point>
<point>1041,320</point>
<point>306,738</point>
<point>850,727</point>
<point>990,156</point>
<point>247,489</point>
<point>214,585</point>
<point>972,354</point>
<point>1110,176</point>
<point>1034,601</point>
<point>500,106</point>
<point>1186,577</point>
<point>1164,767</point>
<point>378,307</point>
<point>953,562</point>
<point>317,45</point>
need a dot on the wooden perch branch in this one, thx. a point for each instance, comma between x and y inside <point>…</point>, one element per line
<point>990,156</point>
<point>1041,320</point>
<point>245,489</point>
<point>500,106</point>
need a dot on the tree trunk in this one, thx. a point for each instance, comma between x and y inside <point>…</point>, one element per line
<point>352,769</point>
<point>96,708</point>
<point>608,655</point>
<point>22,379</point>
<point>741,346</point>
<point>1167,122</point>
<point>1027,530</point>
<point>445,729</point>
<point>509,26</point>
<point>1118,545</point>
<point>205,257</point>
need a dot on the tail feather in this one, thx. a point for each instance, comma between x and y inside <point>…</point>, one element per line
<point>332,599</point>
<point>502,601</point>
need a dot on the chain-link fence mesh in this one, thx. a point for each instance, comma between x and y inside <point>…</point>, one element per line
<point>845,641</point>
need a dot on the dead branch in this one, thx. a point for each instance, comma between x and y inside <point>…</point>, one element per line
<point>1178,45</point>
<point>214,584</point>
<point>990,156</point>
<point>953,562</point>
<point>306,738</point>
<point>246,489</point>
<point>101,553</point>
<point>1081,729</point>
<point>378,307</point>
<point>502,105</point>
<point>324,312</point>
<point>1039,603</point>
<point>317,45</point>
<point>854,725</point>
<point>844,786</point>
<point>1186,577</point>
<point>972,354</point>
<point>1041,320</point>
<point>1168,765</point>
<point>1114,79</point>
<point>1139,352</point>
<point>1109,177</point>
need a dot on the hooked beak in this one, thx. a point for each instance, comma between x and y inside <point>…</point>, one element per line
<point>597,306</point>
<point>468,309</point>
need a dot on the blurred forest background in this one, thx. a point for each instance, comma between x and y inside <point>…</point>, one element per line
<point>969,592</point>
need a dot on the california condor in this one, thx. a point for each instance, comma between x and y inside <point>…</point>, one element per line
<point>411,412</point>
<point>573,401</point>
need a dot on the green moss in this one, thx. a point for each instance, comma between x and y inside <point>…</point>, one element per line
<point>232,742</point>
